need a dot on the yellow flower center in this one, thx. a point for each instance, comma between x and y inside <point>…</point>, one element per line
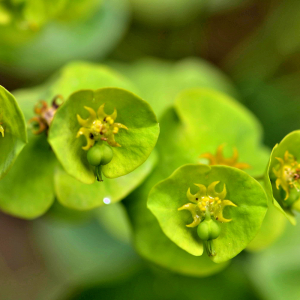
<point>287,173</point>
<point>219,159</point>
<point>207,200</point>
<point>99,126</point>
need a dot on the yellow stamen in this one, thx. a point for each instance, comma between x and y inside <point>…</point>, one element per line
<point>99,126</point>
<point>287,173</point>
<point>209,201</point>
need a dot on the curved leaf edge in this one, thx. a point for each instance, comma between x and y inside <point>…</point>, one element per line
<point>91,173</point>
<point>268,185</point>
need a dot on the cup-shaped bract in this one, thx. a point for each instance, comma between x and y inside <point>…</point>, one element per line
<point>28,190</point>
<point>218,119</point>
<point>274,271</point>
<point>13,134</point>
<point>74,194</point>
<point>213,123</point>
<point>24,51</point>
<point>131,146</point>
<point>160,81</point>
<point>282,177</point>
<point>271,229</point>
<point>243,205</point>
<point>152,244</point>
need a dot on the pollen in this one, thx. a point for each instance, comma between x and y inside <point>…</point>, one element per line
<point>99,126</point>
<point>287,174</point>
<point>211,202</point>
<point>219,159</point>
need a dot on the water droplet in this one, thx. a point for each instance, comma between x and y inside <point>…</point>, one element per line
<point>106,200</point>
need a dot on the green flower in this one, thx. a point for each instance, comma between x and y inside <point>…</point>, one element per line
<point>207,200</point>
<point>221,238</point>
<point>219,159</point>
<point>207,204</point>
<point>99,127</point>
<point>287,173</point>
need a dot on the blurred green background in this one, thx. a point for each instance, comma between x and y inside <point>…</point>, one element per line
<point>70,255</point>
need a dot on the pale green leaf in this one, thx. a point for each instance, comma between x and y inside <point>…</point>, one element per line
<point>14,135</point>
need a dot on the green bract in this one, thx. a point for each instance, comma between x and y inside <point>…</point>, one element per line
<point>271,229</point>
<point>239,225</point>
<point>282,177</point>
<point>152,244</point>
<point>92,35</point>
<point>275,271</point>
<point>13,134</point>
<point>136,143</point>
<point>115,220</point>
<point>177,147</point>
<point>28,15</point>
<point>28,191</point>
<point>160,81</point>
<point>77,195</point>
<point>208,119</point>
<point>78,75</point>
<point>72,77</point>
<point>202,115</point>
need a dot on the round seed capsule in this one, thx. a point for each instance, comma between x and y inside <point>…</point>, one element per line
<point>215,230</point>
<point>208,230</point>
<point>203,231</point>
<point>99,154</point>
<point>107,154</point>
<point>94,155</point>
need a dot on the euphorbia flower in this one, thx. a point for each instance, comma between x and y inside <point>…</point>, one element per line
<point>219,159</point>
<point>100,126</point>
<point>207,200</point>
<point>287,173</point>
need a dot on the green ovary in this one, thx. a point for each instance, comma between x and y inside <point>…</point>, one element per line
<point>99,127</point>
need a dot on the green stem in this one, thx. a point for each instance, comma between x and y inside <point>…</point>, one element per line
<point>209,246</point>
<point>207,214</point>
<point>98,173</point>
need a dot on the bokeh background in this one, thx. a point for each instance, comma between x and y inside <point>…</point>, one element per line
<point>69,255</point>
